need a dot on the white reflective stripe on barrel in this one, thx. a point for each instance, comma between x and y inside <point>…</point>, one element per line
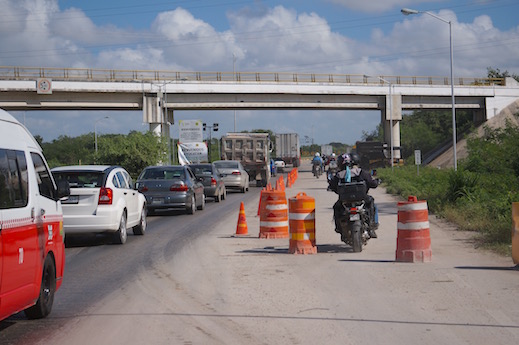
<point>276,207</point>
<point>274,224</point>
<point>413,226</point>
<point>302,216</point>
<point>416,206</point>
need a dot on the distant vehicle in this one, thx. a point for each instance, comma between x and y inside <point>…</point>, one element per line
<point>171,187</point>
<point>212,180</point>
<point>32,250</point>
<point>102,199</point>
<point>280,164</point>
<point>288,148</point>
<point>234,175</point>
<point>326,150</point>
<point>252,150</point>
<point>373,154</point>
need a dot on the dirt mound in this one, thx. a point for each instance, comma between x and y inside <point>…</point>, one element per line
<point>445,160</point>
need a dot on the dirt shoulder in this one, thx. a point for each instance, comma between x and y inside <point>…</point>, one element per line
<point>245,290</point>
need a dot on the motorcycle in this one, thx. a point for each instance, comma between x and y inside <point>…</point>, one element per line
<point>316,169</point>
<point>355,220</point>
<point>332,169</point>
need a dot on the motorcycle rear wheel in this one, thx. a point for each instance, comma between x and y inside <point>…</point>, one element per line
<point>356,237</point>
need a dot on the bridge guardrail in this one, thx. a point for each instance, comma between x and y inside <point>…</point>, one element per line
<point>113,75</point>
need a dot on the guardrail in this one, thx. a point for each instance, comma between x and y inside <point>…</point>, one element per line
<point>112,75</point>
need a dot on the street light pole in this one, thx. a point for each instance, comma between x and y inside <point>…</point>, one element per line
<point>408,11</point>
<point>95,130</point>
<point>390,117</point>
<point>234,77</point>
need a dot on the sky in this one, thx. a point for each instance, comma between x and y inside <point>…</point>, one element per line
<point>301,36</point>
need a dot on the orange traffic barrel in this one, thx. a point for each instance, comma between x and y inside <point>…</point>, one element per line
<point>274,218</point>
<point>301,221</point>
<point>515,232</point>
<point>270,195</point>
<point>413,240</point>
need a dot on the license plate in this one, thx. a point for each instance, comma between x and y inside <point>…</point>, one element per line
<point>72,199</point>
<point>157,201</point>
<point>355,216</point>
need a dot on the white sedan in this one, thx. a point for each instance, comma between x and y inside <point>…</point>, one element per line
<point>102,199</point>
<point>280,164</point>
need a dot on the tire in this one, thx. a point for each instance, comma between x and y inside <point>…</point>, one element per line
<point>218,197</point>
<point>121,234</point>
<point>43,306</point>
<point>192,209</point>
<point>356,236</point>
<point>202,205</point>
<point>140,229</point>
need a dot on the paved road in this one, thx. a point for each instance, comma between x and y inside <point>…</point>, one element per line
<point>220,289</point>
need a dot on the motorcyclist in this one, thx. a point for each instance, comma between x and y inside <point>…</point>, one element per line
<point>317,161</point>
<point>351,161</point>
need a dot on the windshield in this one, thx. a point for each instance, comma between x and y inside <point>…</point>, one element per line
<point>162,174</point>
<point>202,169</point>
<point>227,165</point>
<point>80,179</point>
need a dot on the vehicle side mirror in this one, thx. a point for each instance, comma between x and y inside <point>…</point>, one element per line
<point>63,189</point>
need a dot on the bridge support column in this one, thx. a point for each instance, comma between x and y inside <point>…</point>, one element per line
<point>394,116</point>
<point>160,119</point>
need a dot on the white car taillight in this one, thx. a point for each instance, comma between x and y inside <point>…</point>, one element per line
<point>105,196</point>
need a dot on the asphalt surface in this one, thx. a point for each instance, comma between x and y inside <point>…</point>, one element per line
<point>216,288</point>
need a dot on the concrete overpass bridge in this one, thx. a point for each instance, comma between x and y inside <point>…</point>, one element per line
<point>159,93</point>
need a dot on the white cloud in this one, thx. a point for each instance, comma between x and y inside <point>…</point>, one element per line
<point>374,6</point>
<point>38,33</point>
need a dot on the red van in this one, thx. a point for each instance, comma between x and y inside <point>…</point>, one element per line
<point>32,250</point>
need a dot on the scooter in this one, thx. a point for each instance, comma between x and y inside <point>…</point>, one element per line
<point>316,170</point>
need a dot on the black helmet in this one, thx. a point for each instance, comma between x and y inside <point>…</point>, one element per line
<point>355,158</point>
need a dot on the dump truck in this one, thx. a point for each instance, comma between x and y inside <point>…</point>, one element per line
<point>326,150</point>
<point>252,150</point>
<point>373,154</point>
<point>288,148</point>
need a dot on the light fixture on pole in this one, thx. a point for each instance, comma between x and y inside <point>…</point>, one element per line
<point>390,116</point>
<point>95,130</point>
<point>408,11</point>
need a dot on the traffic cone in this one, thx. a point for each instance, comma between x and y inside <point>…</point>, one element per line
<point>241,227</point>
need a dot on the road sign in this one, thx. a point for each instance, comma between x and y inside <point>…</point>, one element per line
<point>193,152</point>
<point>417,157</point>
<point>190,131</point>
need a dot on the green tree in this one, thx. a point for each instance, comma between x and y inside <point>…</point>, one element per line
<point>134,152</point>
<point>426,129</point>
<point>496,73</point>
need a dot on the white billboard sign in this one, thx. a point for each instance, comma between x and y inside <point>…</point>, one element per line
<point>190,131</point>
<point>192,152</point>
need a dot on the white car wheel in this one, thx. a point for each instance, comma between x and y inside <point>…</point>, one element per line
<point>140,229</point>
<point>121,234</point>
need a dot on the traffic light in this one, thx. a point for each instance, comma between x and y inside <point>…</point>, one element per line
<point>205,125</point>
<point>215,127</point>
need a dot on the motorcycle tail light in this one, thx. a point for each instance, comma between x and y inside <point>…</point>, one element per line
<point>213,181</point>
<point>353,210</point>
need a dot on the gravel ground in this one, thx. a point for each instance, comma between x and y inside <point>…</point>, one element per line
<point>224,289</point>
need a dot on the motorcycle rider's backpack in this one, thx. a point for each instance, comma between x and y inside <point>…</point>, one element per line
<point>352,188</point>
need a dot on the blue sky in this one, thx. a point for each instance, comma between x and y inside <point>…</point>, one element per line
<point>321,36</point>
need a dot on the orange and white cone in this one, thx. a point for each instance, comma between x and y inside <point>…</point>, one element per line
<point>241,227</point>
